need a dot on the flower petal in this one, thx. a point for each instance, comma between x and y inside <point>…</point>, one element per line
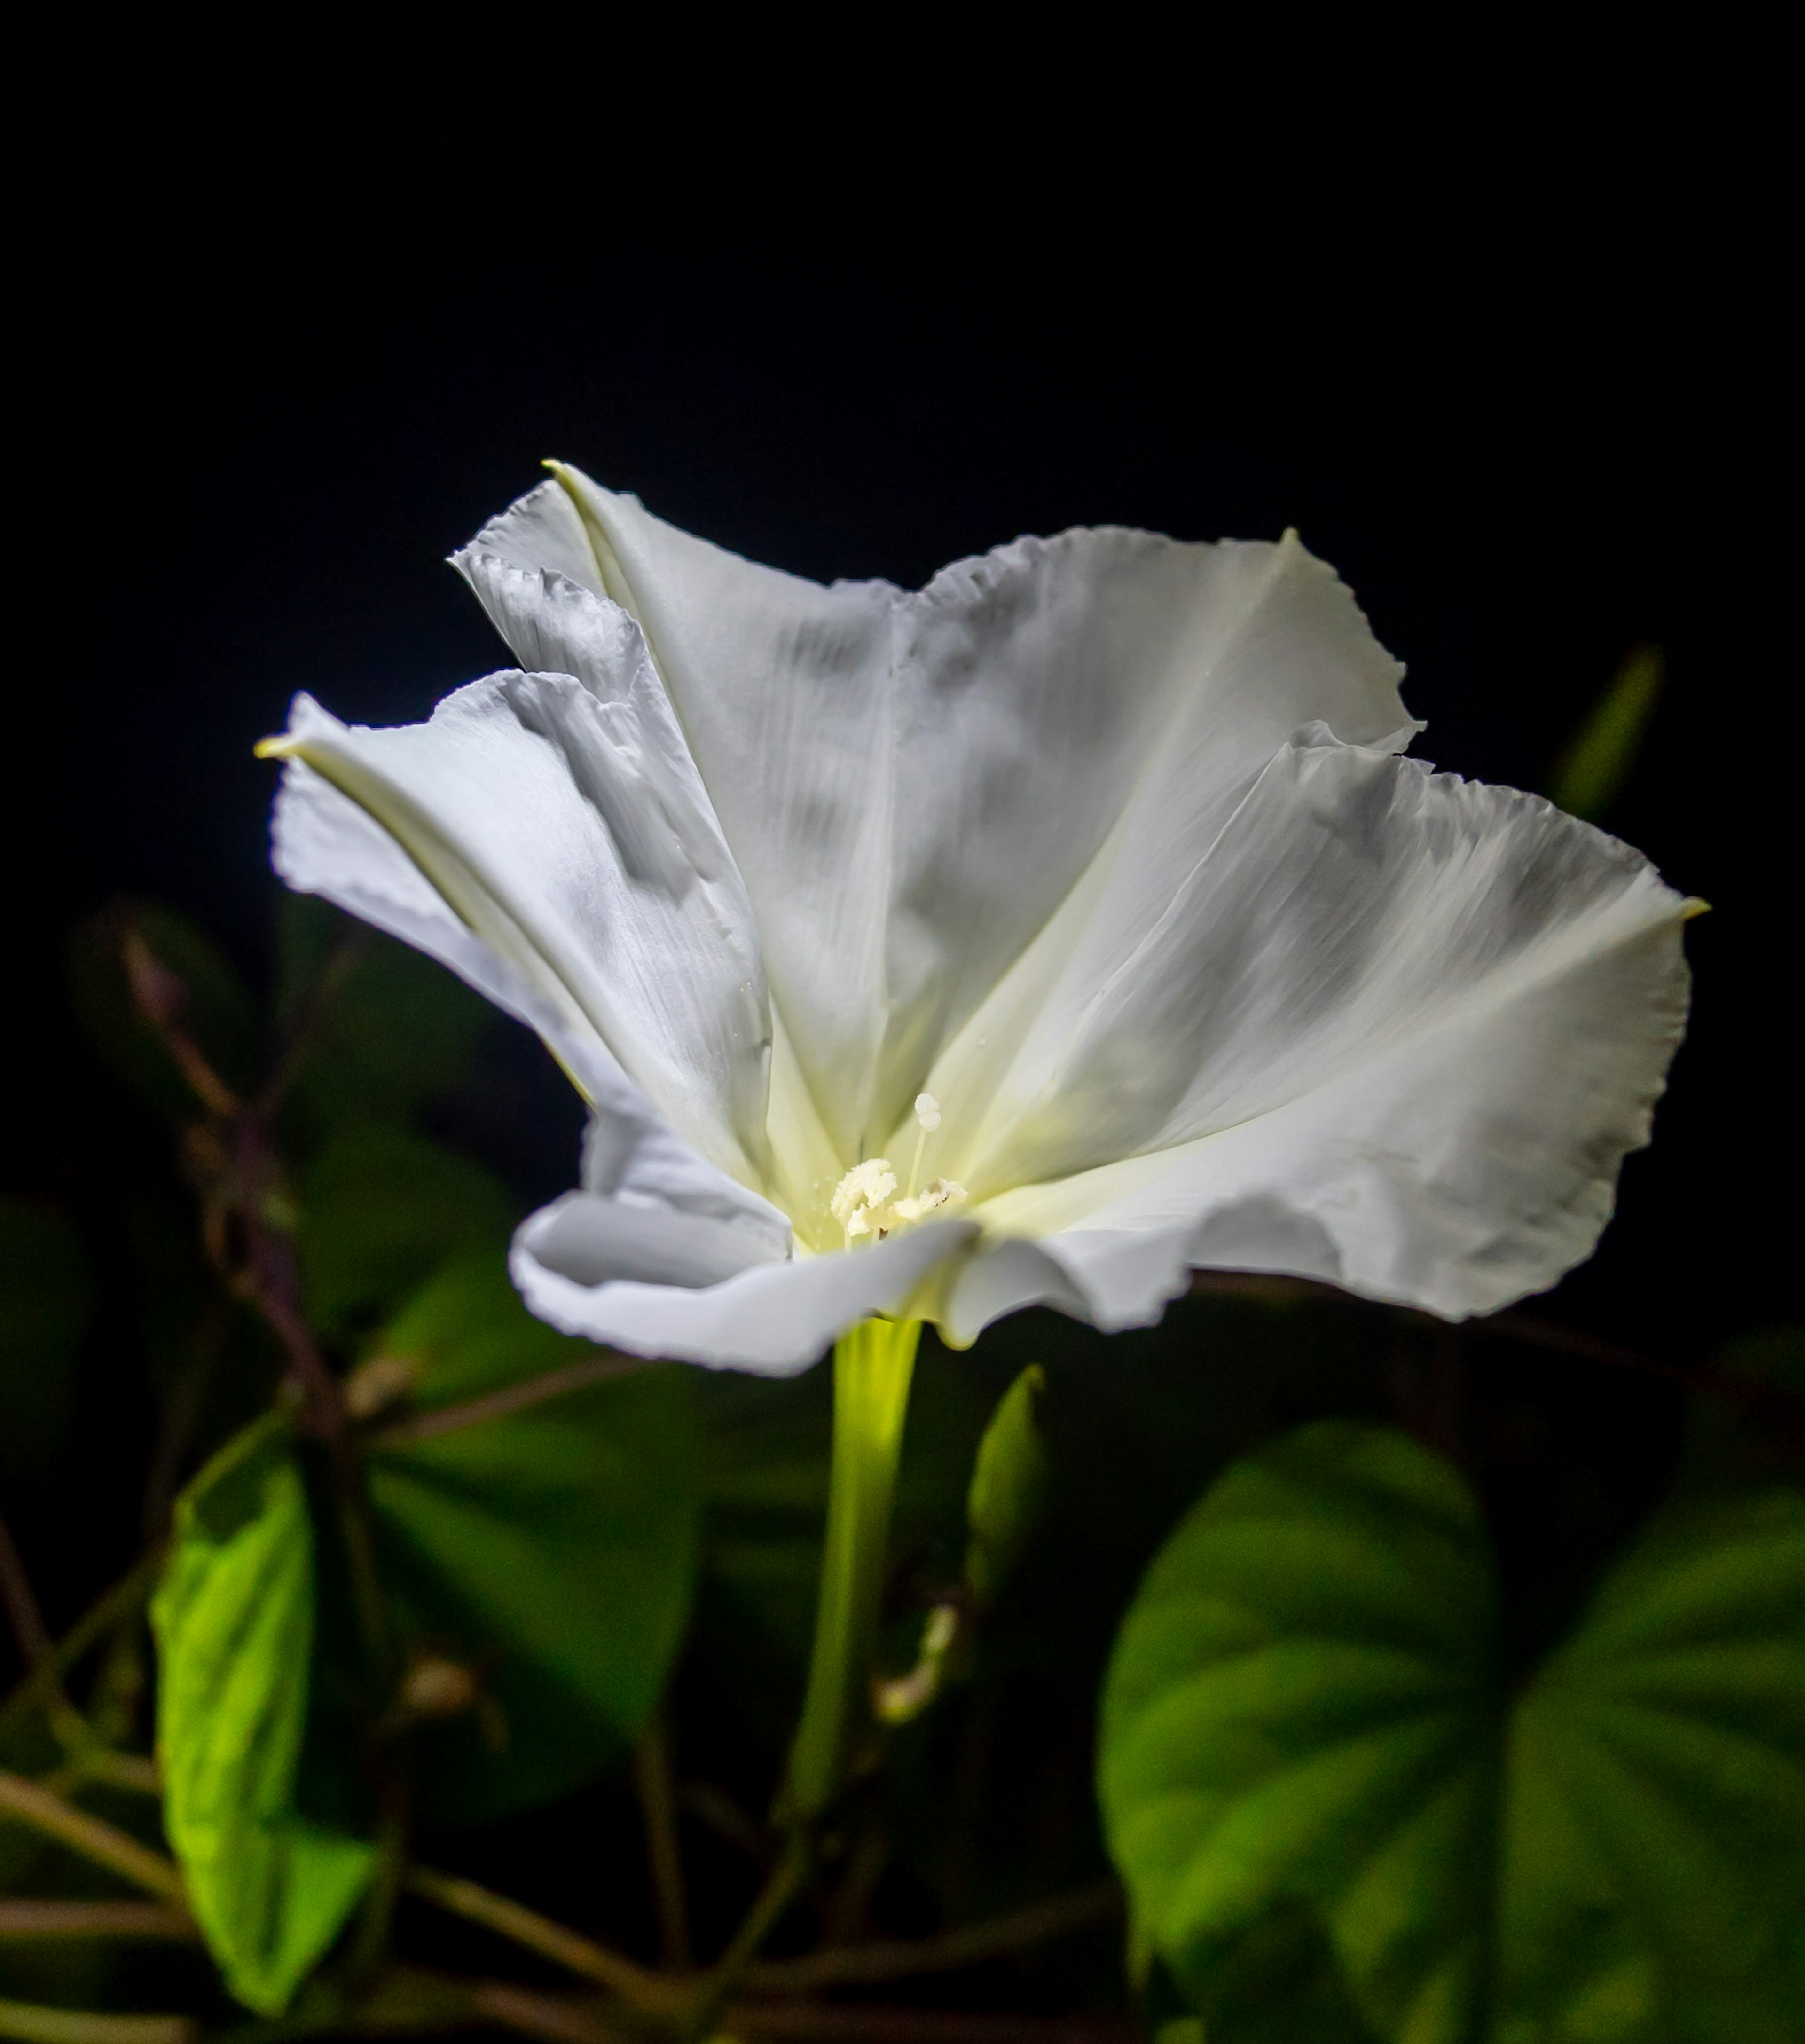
<point>912,785</point>
<point>1400,1035</point>
<point>567,830</point>
<point>597,1268</point>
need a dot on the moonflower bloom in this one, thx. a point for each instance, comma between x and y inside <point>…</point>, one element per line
<point>1036,936</point>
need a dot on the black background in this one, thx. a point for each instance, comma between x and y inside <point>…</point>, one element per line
<point>1532,432</point>
<point>1531,436</point>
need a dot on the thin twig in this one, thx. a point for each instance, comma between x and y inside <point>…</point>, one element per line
<point>851,1965</point>
<point>1786,1409</point>
<point>346,955</point>
<point>94,1919</point>
<point>35,2025</point>
<point>664,1858</point>
<point>42,1685</point>
<point>556,2019</point>
<point>20,1600</point>
<point>776,1895</point>
<point>527,1927</point>
<point>104,1843</point>
<point>855,2022</point>
<point>728,1821</point>
<point>498,1404</point>
<point>560,2019</point>
<point>817,2023</point>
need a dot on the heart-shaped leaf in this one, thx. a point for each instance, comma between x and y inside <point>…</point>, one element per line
<point>1305,1750</point>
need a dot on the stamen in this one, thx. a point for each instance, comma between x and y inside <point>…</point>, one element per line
<point>860,1196</point>
<point>865,1203</point>
<point>941,1193</point>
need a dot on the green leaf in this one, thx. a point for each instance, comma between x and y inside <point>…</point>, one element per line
<point>1303,1751</point>
<point>234,1624</point>
<point>1300,1719</point>
<point>1591,771</point>
<point>384,1026</point>
<point>1658,1792</point>
<point>1009,1485</point>
<point>382,1210</point>
<point>1753,1433</point>
<point>217,1011</point>
<point>552,1551</point>
<point>46,1302</point>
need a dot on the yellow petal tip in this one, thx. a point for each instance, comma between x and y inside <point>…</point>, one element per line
<point>281,748</point>
<point>1694,906</point>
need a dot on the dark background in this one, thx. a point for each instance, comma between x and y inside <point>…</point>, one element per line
<point>1532,434</point>
<point>1531,437</point>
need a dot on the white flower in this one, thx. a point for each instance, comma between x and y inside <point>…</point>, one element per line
<point>1035,936</point>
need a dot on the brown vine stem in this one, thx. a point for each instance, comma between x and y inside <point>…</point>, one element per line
<point>40,1687</point>
<point>31,2024</point>
<point>554,2018</point>
<point>20,1600</point>
<point>767,1910</point>
<point>103,1843</point>
<point>818,2022</point>
<point>558,2020</point>
<point>498,1404</point>
<point>564,1947</point>
<point>657,1806</point>
<point>1785,1408</point>
<point>95,1919</point>
<point>859,1965</point>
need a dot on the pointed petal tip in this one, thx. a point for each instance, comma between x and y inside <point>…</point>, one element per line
<point>285,745</point>
<point>1693,907</point>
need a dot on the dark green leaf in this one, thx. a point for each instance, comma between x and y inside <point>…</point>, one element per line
<point>381,1027</point>
<point>381,1210</point>
<point>1009,1484</point>
<point>552,1551</point>
<point>234,1625</point>
<point>46,1300</point>
<point>1300,1714</point>
<point>1303,1750</point>
<point>1590,772</point>
<point>1735,1441</point>
<point>218,1012</point>
<point>1655,1838</point>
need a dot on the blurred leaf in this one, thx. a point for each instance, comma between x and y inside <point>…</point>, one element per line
<point>553,1551</point>
<point>1009,1481</point>
<point>383,1027</point>
<point>234,1625</point>
<point>217,1010</point>
<point>382,1210</point>
<point>1304,1749</point>
<point>1300,1716</point>
<point>767,1454</point>
<point>1732,1444</point>
<point>1592,768</point>
<point>46,1302</point>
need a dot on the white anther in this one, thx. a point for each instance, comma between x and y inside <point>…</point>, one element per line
<point>941,1193</point>
<point>859,1198</point>
<point>927,1112</point>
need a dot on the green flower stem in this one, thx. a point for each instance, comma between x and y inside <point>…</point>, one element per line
<point>872,1367</point>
